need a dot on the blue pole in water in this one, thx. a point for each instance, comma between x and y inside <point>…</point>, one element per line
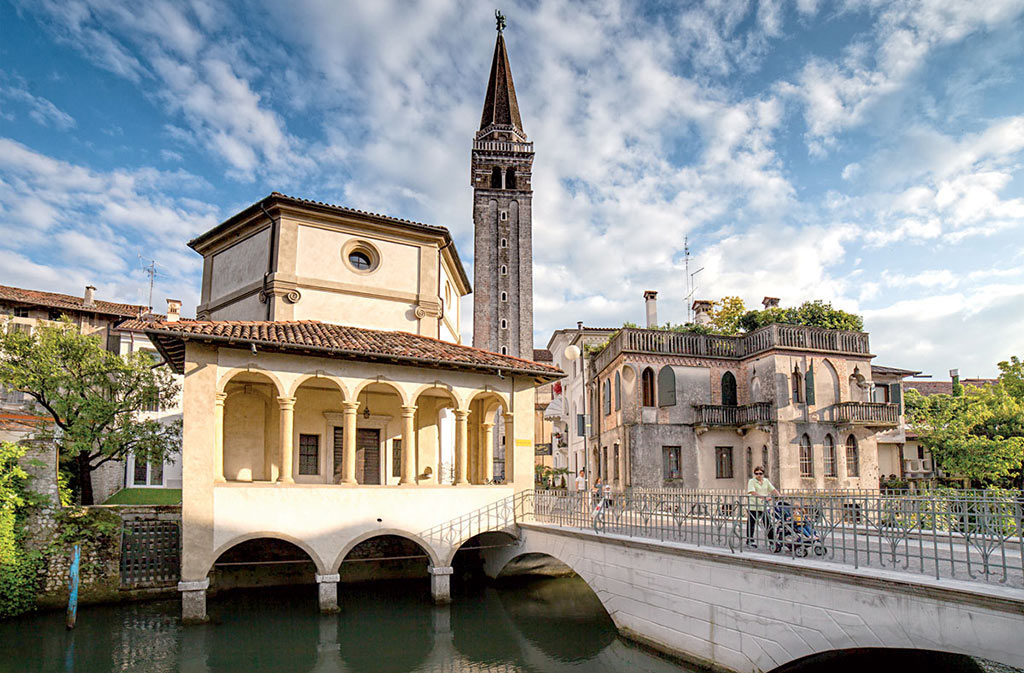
<point>73,586</point>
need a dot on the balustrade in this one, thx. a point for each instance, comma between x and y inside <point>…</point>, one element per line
<point>868,413</point>
<point>734,416</point>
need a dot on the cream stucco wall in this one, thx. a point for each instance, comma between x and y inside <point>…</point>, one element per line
<point>242,263</point>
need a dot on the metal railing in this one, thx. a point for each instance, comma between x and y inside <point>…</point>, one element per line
<point>734,416</point>
<point>500,515</point>
<point>797,337</point>
<point>869,413</point>
<point>971,536</point>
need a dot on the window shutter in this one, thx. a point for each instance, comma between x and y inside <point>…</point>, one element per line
<point>580,429</point>
<point>618,391</point>
<point>895,393</point>
<point>809,384</point>
<point>666,387</point>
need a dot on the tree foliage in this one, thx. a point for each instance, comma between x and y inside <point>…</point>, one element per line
<point>815,313</point>
<point>18,566</point>
<point>978,435</point>
<point>94,397</point>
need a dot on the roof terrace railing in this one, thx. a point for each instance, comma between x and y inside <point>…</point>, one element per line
<point>793,337</point>
<point>501,146</point>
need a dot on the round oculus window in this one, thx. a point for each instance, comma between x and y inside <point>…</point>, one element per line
<point>360,260</point>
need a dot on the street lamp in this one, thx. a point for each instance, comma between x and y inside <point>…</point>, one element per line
<point>572,354</point>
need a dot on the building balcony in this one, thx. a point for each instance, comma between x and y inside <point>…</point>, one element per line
<point>769,337</point>
<point>879,414</point>
<point>917,467</point>
<point>720,415</point>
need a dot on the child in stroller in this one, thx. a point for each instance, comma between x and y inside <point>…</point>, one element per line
<point>793,528</point>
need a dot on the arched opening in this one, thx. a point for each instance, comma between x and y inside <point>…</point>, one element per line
<point>434,461</point>
<point>385,557</point>
<point>250,437</point>
<point>618,391</point>
<point>798,386</point>
<point>828,385</point>
<point>510,178</point>
<point>888,659</point>
<point>318,442</point>
<point>852,457</point>
<point>831,467</point>
<point>647,387</point>
<point>666,387</point>
<point>490,454</point>
<point>496,177</point>
<point>263,562</point>
<point>729,397</point>
<point>379,440</point>
<point>806,457</point>
<point>858,386</point>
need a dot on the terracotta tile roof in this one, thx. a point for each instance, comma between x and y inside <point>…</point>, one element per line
<point>339,341</point>
<point>944,387</point>
<point>67,301</point>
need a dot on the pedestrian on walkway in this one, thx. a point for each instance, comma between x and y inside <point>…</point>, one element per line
<point>759,491</point>
<point>581,482</point>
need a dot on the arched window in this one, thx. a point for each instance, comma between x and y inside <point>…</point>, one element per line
<point>510,178</point>
<point>504,296</point>
<point>496,177</point>
<point>504,270</point>
<point>852,457</point>
<point>607,397</point>
<point>750,463</point>
<point>504,324</point>
<point>729,390</point>
<point>666,387</point>
<point>764,458</point>
<point>647,387</point>
<point>830,457</point>
<point>618,391</point>
<point>504,350</point>
<point>504,242</point>
<point>798,386</point>
<point>806,457</point>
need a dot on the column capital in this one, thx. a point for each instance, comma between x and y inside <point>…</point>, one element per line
<point>219,398</point>
<point>350,407</point>
<point>440,570</point>
<point>487,424</point>
<point>195,585</point>
<point>320,579</point>
<point>461,414</point>
<point>286,402</point>
<point>409,411</point>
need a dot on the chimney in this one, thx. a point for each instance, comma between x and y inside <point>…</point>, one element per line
<point>89,300</point>
<point>651,300</point>
<point>702,311</point>
<point>173,310</point>
<point>770,302</point>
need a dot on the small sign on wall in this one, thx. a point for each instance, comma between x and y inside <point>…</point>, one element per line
<point>542,449</point>
<point>524,442</point>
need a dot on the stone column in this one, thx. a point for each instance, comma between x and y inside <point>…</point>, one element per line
<point>327,586</point>
<point>487,473</point>
<point>287,406</point>
<point>510,449</point>
<point>348,467</point>
<point>193,600</point>
<point>408,472</point>
<point>218,440</point>
<point>461,440</point>
<point>441,584</point>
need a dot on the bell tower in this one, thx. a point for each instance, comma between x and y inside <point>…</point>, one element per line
<point>502,164</point>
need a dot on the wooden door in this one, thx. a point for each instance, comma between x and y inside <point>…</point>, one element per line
<point>368,456</point>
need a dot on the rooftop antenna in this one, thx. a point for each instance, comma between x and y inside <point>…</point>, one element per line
<point>691,286</point>
<point>150,270</point>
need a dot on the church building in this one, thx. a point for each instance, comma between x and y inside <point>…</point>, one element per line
<point>328,399</point>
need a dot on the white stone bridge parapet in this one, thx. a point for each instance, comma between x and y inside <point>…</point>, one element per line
<point>753,613</point>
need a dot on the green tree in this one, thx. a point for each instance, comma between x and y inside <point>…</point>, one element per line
<point>727,315</point>
<point>978,435</point>
<point>93,396</point>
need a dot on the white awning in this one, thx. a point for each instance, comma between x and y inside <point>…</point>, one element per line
<point>555,408</point>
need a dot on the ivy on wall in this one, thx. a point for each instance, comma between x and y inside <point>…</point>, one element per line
<point>19,567</point>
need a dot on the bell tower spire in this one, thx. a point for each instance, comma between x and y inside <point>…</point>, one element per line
<point>501,172</point>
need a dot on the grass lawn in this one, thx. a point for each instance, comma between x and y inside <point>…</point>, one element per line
<point>146,496</point>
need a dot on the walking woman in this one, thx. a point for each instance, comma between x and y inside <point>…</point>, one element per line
<point>759,490</point>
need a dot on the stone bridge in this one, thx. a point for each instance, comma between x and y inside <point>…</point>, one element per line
<point>758,612</point>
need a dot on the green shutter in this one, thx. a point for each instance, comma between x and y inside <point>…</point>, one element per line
<point>666,387</point>
<point>809,384</point>
<point>895,393</point>
<point>618,391</point>
<point>580,429</point>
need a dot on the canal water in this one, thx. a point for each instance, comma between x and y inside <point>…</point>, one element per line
<point>536,625</point>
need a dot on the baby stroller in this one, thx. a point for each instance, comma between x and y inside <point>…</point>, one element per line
<point>793,530</point>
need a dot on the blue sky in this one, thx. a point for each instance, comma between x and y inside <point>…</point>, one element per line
<point>867,153</point>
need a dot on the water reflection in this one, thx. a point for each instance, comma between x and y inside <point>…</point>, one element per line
<point>541,625</point>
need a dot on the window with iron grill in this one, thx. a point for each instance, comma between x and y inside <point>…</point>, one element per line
<point>671,463</point>
<point>309,454</point>
<point>806,457</point>
<point>723,462</point>
<point>852,457</point>
<point>338,449</point>
<point>396,457</point>
<point>831,470</point>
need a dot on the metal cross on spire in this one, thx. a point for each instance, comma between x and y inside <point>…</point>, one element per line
<point>499,18</point>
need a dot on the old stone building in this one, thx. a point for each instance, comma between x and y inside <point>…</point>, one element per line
<point>502,163</point>
<point>700,411</point>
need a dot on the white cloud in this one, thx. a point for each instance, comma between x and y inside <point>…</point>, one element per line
<point>41,110</point>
